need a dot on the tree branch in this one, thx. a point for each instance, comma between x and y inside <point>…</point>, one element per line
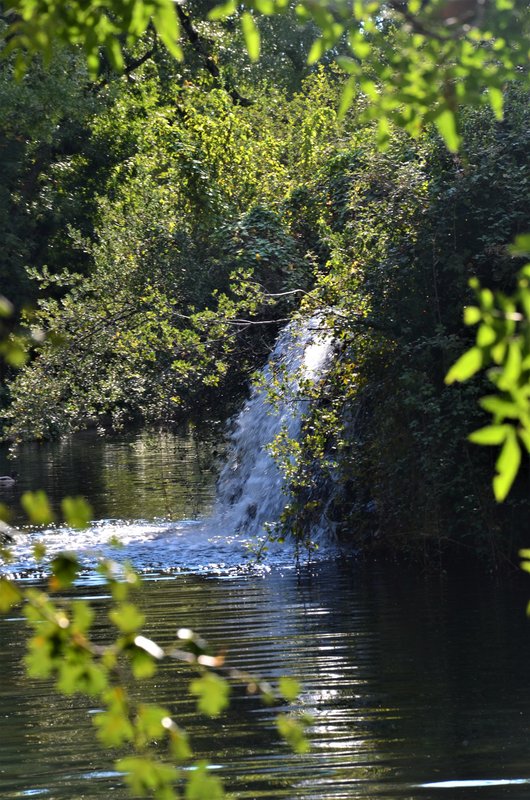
<point>209,63</point>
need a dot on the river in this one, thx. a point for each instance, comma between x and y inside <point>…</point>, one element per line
<point>417,681</point>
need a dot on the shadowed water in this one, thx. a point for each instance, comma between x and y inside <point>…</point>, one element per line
<point>418,687</point>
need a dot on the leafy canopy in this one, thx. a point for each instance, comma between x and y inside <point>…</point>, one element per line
<point>413,62</point>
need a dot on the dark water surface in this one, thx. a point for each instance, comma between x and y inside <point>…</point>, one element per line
<point>418,684</point>
<point>138,476</point>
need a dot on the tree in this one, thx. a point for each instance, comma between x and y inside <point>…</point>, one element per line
<point>414,62</point>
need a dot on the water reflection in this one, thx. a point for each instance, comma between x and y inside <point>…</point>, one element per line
<point>136,476</point>
<point>418,689</point>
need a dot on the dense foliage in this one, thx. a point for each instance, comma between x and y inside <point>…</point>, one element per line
<point>196,224</point>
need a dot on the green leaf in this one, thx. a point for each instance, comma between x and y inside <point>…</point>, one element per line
<point>486,336</point>
<point>179,744</point>
<point>318,48</point>
<point>6,307</point>
<point>212,693</point>
<point>383,132</point>
<point>264,6</point>
<point>472,315</point>
<point>524,436</point>
<point>467,365</point>
<point>115,54</point>
<point>84,678</point>
<point>496,99</point>
<point>142,664</point>
<point>289,688</point>
<point>491,434</point>
<point>145,776</point>
<point>445,121</point>
<point>127,617</point>
<point>349,65</point>
<point>223,11</point>
<point>521,245</point>
<point>76,511</point>
<point>37,507</point>
<point>114,727</point>
<point>150,722</point>
<point>65,568</point>
<point>167,25</point>
<point>202,786</point>
<point>293,731</point>
<point>250,35</point>
<point>9,595</point>
<point>14,351</point>
<point>499,406</point>
<point>512,366</point>
<point>346,99</point>
<point>507,466</point>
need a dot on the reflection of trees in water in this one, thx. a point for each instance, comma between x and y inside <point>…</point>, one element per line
<point>137,476</point>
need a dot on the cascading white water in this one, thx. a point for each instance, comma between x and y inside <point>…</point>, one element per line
<point>251,487</point>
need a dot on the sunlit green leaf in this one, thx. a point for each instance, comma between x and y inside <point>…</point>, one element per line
<point>524,436</point>
<point>202,785</point>
<point>212,693</point>
<point>472,315</point>
<point>496,101</point>
<point>84,678</point>
<point>6,307</point>
<point>486,336</point>
<point>491,434</point>
<point>318,48</point>
<point>150,720</point>
<point>499,407</point>
<point>250,35</point>
<point>521,245</point>
<point>9,595</point>
<point>466,366</point>
<point>127,617</point>
<point>167,25</point>
<point>37,507</point>
<point>147,776</point>
<point>179,743</point>
<point>446,123</point>
<point>512,366</point>
<point>289,688</point>
<point>114,727</point>
<point>76,511</point>
<point>15,351</point>
<point>507,466</point>
<point>347,96</point>
<point>143,665</point>
<point>294,732</point>
<point>223,11</point>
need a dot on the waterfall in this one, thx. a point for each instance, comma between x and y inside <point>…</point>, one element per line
<point>252,490</point>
